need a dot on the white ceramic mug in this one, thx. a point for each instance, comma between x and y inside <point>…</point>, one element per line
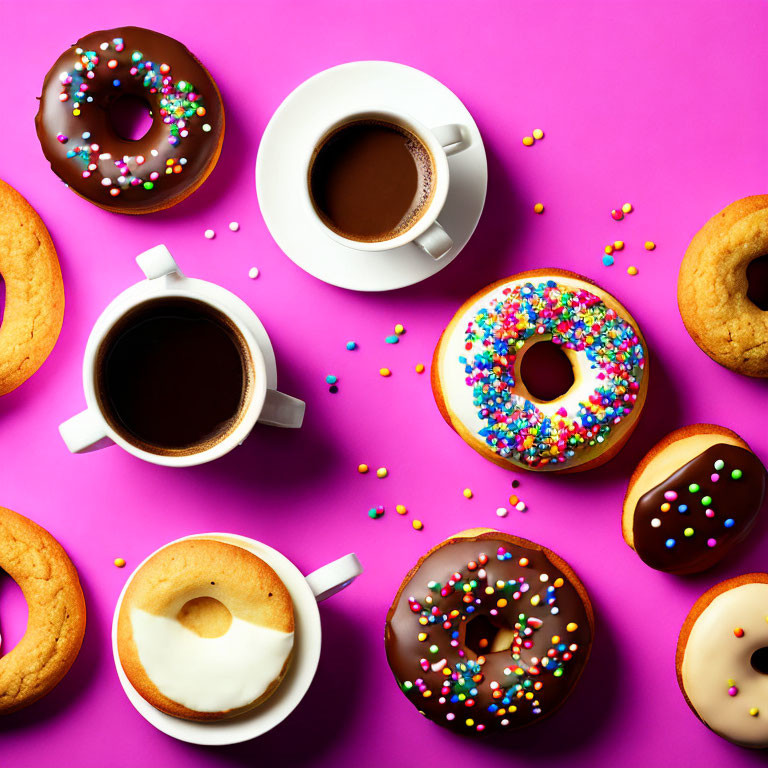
<point>440,142</point>
<point>90,430</point>
<point>306,592</point>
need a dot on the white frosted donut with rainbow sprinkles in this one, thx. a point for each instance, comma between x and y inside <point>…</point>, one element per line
<point>567,405</point>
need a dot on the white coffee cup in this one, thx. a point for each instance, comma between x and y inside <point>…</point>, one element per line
<point>440,142</point>
<point>306,592</point>
<point>90,430</point>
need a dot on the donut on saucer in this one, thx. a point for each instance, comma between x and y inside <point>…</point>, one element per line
<point>205,630</point>
<point>75,130</point>
<point>542,371</point>
<point>722,659</point>
<point>722,290</point>
<point>694,496</point>
<point>56,612</point>
<point>489,632</point>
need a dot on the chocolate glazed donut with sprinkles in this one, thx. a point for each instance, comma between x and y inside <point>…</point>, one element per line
<point>156,171</point>
<point>489,632</point>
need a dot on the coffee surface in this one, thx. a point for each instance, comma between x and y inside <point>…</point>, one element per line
<point>371,180</point>
<point>172,375</point>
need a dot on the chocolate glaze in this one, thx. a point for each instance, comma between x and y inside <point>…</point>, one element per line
<point>738,500</point>
<point>55,118</point>
<point>488,713</point>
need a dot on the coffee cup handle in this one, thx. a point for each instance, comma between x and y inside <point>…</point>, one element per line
<point>453,138</point>
<point>435,241</point>
<point>333,577</point>
<point>281,410</point>
<point>84,433</point>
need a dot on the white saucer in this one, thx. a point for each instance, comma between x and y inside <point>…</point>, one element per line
<point>295,125</point>
<point>306,655</point>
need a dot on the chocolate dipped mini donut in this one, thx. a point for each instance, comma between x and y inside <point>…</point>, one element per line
<point>693,497</point>
<point>722,289</point>
<point>722,659</point>
<point>489,632</point>
<point>542,371</point>
<point>205,630</point>
<point>73,122</point>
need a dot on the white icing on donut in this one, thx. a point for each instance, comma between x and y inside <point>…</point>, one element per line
<point>716,661</point>
<point>209,674</point>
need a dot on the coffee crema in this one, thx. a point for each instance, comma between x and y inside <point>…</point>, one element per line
<point>173,376</point>
<point>370,180</point>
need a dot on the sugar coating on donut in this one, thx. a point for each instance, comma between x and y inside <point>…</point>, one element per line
<point>479,371</point>
<point>695,495</point>
<point>722,660</point>
<point>205,630</point>
<point>488,632</point>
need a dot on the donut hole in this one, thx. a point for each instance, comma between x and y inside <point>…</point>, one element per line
<point>545,371</point>
<point>205,616</point>
<point>757,282</point>
<point>14,613</point>
<point>130,117</point>
<point>483,635</point>
<point>759,661</point>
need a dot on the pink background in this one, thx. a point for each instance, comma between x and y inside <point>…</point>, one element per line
<point>659,103</point>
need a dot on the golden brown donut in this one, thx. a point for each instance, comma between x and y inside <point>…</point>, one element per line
<point>56,612</point>
<point>34,292</point>
<point>722,290</point>
<point>479,389</point>
<point>205,630</point>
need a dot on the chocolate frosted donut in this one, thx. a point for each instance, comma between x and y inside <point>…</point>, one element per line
<point>489,632</point>
<point>171,160</point>
<point>694,496</point>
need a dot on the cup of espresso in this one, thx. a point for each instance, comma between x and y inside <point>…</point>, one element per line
<point>378,179</point>
<point>174,372</point>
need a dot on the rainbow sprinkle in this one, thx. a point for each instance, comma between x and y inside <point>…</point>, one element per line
<point>516,428</point>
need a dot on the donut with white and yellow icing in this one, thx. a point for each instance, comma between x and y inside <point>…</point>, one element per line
<point>722,659</point>
<point>205,630</point>
<point>496,384</point>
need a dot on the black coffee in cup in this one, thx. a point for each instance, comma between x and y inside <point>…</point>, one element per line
<point>371,180</point>
<point>173,376</point>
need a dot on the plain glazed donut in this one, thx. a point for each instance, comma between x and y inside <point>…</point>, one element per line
<point>205,630</point>
<point>156,171</point>
<point>56,612</point>
<point>483,356</point>
<point>722,659</point>
<point>722,290</point>
<point>489,632</point>
<point>34,292</point>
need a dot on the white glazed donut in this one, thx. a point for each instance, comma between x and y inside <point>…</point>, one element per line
<point>205,630</point>
<point>722,659</point>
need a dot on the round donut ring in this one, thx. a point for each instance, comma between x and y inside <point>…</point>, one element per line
<point>56,619</point>
<point>713,285</point>
<point>34,292</point>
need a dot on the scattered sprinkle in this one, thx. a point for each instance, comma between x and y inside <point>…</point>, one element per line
<point>467,493</point>
<point>502,512</point>
<point>609,249</point>
<point>253,273</point>
<point>632,271</point>
<point>394,339</point>
<point>515,483</point>
<point>419,367</point>
<point>739,632</point>
<point>385,372</point>
<point>608,261</point>
<point>333,389</point>
<point>627,208</point>
<point>538,134</point>
<point>209,234</point>
<point>351,345</point>
<point>520,506</point>
<point>618,245</point>
<point>650,245</point>
<point>362,468</point>
<point>736,474</point>
<point>119,562</point>
<point>417,525</point>
<point>754,711</point>
<point>375,512</point>
<point>733,690</point>
<point>528,141</point>
<point>234,226</point>
<point>399,329</point>
<point>382,472</point>
<point>538,208</point>
<point>617,215</point>
<point>331,379</point>
<point>401,509</point>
